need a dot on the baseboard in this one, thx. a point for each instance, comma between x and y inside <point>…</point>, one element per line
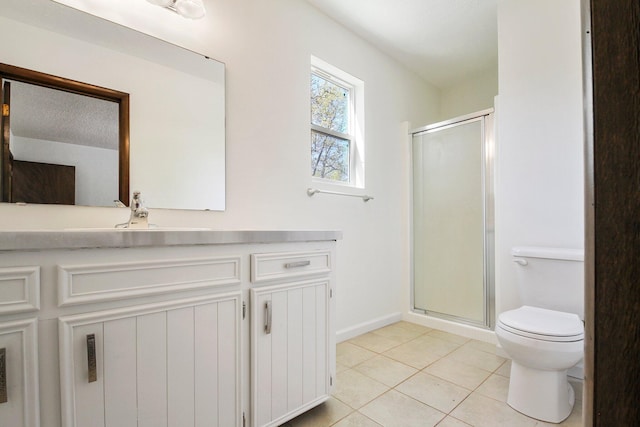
<point>363,328</point>
<point>467,331</point>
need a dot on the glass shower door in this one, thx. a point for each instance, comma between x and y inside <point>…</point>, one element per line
<point>452,250</point>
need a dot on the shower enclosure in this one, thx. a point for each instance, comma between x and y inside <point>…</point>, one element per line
<point>453,238</point>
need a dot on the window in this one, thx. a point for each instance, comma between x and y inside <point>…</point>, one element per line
<point>336,137</point>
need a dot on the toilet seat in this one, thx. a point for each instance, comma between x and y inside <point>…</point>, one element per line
<point>542,324</point>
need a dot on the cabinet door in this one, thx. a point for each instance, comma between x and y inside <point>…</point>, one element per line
<point>19,404</point>
<point>166,365</point>
<point>289,350</point>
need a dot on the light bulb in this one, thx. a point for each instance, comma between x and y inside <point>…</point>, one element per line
<point>193,9</point>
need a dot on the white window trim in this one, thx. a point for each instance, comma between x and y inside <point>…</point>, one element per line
<point>356,125</point>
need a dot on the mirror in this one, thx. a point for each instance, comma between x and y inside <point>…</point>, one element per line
<point>64,142</point>
<point>176,97</point>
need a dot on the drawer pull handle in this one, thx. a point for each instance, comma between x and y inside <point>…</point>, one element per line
<point>3,375</point>
<point>297,264</point>
<point>91,358</point>
<point>267,317</point>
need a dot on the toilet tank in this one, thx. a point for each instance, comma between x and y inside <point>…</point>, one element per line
<point>551,278</point>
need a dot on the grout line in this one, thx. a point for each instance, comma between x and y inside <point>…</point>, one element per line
<point>423,370</point>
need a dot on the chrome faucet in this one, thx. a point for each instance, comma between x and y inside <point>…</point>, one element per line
<point>139,213</point>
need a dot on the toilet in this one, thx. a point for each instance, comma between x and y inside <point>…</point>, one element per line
<point>544,337</point>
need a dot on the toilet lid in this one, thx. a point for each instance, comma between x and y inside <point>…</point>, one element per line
<point>546,324</point>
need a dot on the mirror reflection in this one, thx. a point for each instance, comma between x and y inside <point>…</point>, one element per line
<point>176,138</point>
<point>64,142</point>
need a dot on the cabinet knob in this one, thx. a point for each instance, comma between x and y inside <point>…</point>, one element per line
<point>3,375</point>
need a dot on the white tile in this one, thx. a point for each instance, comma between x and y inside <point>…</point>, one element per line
<point>495,387</point>
<point>399,333</point>
<point>376,343</point>
<point>505,369</point>
<point>458,373</point>
<point>452,422</point>
<point>434,391</point>
<point>322,415</point>
<point>483,346</point>
<point>385,370</point>
<point>413,327</point>
<point>454,366</point>
<point>356,389</point>
<point>357,420</point>
<point>394,409</point>
<point>413,353</point>
<point>350,355</point>
<point>478,358</point>
<point>574,420</point>
<point>340,368</point>
<point>482,411</point>
<point>436,345</point>
<point>448,337</point>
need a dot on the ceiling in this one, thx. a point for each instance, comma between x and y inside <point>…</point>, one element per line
<point>444,41</point>
<point>53,115</point>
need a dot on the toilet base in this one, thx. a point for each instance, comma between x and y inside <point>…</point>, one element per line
<point>539,394</point>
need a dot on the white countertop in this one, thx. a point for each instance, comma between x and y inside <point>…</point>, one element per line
<point>33,240</point>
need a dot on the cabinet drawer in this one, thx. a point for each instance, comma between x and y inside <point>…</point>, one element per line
<point>276,266</point>
<point>81,284</point>
<point>19,289</point>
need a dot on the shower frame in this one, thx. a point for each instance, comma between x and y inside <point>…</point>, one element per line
<point>486,119</point>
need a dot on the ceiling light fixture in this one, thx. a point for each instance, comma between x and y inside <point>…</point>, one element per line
<point>192,9</point>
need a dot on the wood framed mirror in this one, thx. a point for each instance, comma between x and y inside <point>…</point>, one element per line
<point>42,182</point>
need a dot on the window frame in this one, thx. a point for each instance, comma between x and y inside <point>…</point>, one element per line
<point>355,88</point>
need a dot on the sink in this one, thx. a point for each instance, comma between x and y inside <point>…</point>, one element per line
<point>151,228</point>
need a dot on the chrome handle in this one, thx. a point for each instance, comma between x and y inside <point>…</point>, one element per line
<point>3,375</point>
<point>91,358</point>
<point>297,264</point>
<point>267,317</point>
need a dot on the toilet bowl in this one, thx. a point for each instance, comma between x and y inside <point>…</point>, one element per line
<point>543,345</point>
<point>544,337</point>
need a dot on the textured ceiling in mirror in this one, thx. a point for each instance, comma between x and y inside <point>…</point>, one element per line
<point>41,113</point>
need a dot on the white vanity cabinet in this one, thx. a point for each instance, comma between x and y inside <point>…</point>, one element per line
<point>18,374</point>
<point>19,302</point>
<point>164,329</point>
<point>292,340</point>
<point>171,364</point>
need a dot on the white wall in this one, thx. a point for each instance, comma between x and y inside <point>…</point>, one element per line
<point>474,94</point>
<point>539,194</point>
<point>267,47</point>
<point>96,168</point>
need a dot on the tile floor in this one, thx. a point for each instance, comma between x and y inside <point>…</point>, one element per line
<point>409,375</point>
